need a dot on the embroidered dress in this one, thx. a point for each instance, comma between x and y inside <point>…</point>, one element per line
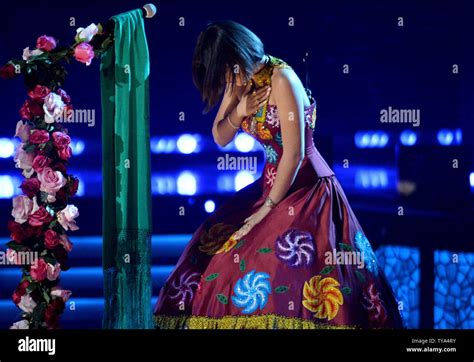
<point>307,264</point>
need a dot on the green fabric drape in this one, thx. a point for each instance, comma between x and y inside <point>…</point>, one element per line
<point>126,203</point>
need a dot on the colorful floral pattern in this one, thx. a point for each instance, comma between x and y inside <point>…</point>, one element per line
<point>322,296</point>
<point>184,287</point>
<point>295,248</point>
<point>374,305</point>
<point>251,291</point>
<point>271,154</point>
<point>214,239</point>
<point>368,255</point>
<point>270,175</point>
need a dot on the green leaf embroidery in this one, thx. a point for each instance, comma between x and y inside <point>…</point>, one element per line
<point>346,290</point>
<point>346,247</point>
<point>327,270</point>
<point>265,250</point>
<point>242,265</point>
<point>239,244</point>
<point>211,277</point>
<point>222,298</point>
<point>281,289</point>
<point>360,276</point>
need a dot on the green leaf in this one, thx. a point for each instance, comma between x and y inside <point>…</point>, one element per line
<point>346,290</point>
<point>43,196</point>
<point>327,269</point>
<point>346,247</point>
<point>14,246</point>
<point>222,298</point>
<point>46,296</point>
<point>32,287</point>
<point>38,312</point>
<point>281,289</point>
<point>29,148</point>
<point>265,250</point>
<point>360,276</point>
<point>239,244</point>
<point>242,265</point>
<point>211,277</point>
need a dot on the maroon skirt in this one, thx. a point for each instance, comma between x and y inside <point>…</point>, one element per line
<point>307,264</point>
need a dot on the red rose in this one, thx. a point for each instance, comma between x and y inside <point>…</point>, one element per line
<point>30,186</point>
<point>39,271</point>
<point>17,232</point>
<point>40,217</point>
<point>61,256</point>
<point>59,166</point>
<point>73,186</point>
<point>65,153</point>
<point>51,239</point>
<point>64,96</point>
<point>46,43</point>
<point>39,92</point>
<point>33,231</point>
<point>39,136</point>
<point>7,71</point>
<point>61,196</point>
<point>23,285</point>
<point>53,311</point>
<point>16,296</point>
<point>31,109</point>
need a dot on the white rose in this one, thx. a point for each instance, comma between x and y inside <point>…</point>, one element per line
<point>53,107</point>
<point>27,304</point>
<point>27,54</point>
<point>86,35</point>
<point>23,324</point>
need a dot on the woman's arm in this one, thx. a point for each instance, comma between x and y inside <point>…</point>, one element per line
<point>227,124</point>
<point>289,98</point>
<point>222,131</point>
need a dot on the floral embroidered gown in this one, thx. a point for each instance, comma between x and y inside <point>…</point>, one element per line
<point>280,274</point>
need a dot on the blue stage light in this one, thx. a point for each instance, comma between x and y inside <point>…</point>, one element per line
<point>163,144</point>
<point>446,137</point>
<point>186,183</point>
<point>7,148</point>
<point>187,143</point>
<point>244,143</point>
<point>471,179</point>
<point>371,139</point>
<point>77,147</point>
<point>458,136</point>
<point>242,179</point>
<point>408,138</point>
<point>7,187</point>
<point>209,206</point>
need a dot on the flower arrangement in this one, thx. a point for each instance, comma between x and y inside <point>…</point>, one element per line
<point>42,214</point>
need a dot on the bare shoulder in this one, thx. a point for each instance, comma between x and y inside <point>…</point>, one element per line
<point>286,80</point>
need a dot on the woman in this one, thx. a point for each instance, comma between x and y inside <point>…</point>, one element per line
<point>265,259</point>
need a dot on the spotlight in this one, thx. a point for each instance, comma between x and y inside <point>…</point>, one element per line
<point>209,206</point>
<point>242,179</point>
<point>408,138</point>
<point>244,143</point>
<point>7,147</point>
<point>187,143</point>
<point>186,183</point>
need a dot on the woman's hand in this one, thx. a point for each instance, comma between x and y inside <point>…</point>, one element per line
<point>251,221</point>
<point>251,102</point>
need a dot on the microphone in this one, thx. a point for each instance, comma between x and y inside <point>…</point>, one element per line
<point>149,10</point>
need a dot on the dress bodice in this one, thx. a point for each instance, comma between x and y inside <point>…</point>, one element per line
<point>264,126</point>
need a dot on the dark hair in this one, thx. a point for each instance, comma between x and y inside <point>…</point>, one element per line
<point>222,46</point>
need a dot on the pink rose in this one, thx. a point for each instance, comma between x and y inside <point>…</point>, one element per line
<point>38,93</point>
<point>53,107</point>
<point>51,181</point>
<point>51,239</point>
<point>23,207</point>
<point>66,243</point>
<point>22,131</point>
<point>66,217</point>
<point>39,270</point>
<point>27,54</point>
<point>53,271</point>
<point>30,186</point>
<point>84,53</point>
<point>61,293</point>
<point>40,162</point>
<point>24,160</point>
<point>46,43</point>
<point>40,217</point>
<point>39,136</point>
<point>61,140</point>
